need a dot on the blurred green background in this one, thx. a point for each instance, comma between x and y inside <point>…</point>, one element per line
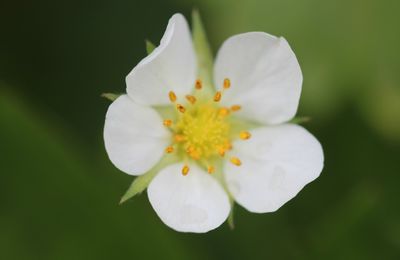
<point>59,192</point>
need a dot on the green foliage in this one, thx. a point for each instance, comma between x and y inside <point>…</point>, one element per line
<point>59,192</point>
<point>300,120</point>
<point>53,193</point>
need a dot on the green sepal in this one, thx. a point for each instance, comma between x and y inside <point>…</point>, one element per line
<point>300,120</point>
<point>149,47</point>
<point>231,222</point>
<point>141,182</point>
<point>203,51</point>
<point>110,96</point>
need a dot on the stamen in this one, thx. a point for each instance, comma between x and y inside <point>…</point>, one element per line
<point>227,83</point>
<point>217,96</point>
<point>228,146</point>
<point>235,108</point>
<point>167,122</point>
<point>198,84</point>
<point>210,169</point>
<point>179,138</point>
<point>224,111</point>
<point>191,99</point>
<point>221,151</point>
<point>236,161</point>
<point>185,170</point>
<point>169,149</point>
<point>195,155</point>
<point>190,149</point>
<point>244,135</point>
<point>172,96</point>
<point>181,108</point>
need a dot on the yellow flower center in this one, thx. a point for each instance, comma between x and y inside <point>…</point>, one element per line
<point>202,130</point>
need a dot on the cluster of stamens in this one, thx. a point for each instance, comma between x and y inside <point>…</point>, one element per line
<point>202,129</point>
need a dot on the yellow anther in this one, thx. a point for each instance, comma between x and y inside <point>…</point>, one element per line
<point>228,146</point>
<point>227,83</point>
<point>169,149</point>
<point>244,135</point>
<point>236,161</point>
<point>198,84</point>
<point>235,108</point>
<point>179,138</point>
<point>210,169</point>
<point>195,155</point>
<point>172,96</point>
<point>185,170</point>
<point>224,111</point>
<point>190,149</point>
<point>192,152</point>
<point>181,108</point>
<point>221,151</point>
<point>167,122</point>
<point>191,99</point>
<point>217,96</point>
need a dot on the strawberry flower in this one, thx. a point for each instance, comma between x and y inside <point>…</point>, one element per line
<point>203,144</point>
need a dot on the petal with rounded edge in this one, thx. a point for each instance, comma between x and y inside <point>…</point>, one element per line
<point>277,162</point>
<point>192,203</point>
<point>170,67</point>
<point>134,136</point>
<point>265,76</point>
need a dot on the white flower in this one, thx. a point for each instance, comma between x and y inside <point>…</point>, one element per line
<point>257,82</point>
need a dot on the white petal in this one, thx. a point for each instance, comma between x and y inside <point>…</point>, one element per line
<point>265,76</point>
<point>171,66</point>
<point>277,162</point>
<point>134,136</point>
<point>192,203</point>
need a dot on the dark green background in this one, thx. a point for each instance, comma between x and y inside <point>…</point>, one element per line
<point>59,193</point>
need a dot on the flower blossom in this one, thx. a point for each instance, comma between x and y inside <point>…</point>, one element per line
<point>231,140</point>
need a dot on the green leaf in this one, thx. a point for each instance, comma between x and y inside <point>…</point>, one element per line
<point>141,182</point>
<point>110,96</point>
<point>149,47</point>
<point>203,51</point>
<point>300,120</point>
